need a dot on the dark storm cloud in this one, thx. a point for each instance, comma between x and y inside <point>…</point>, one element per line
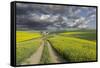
<point>36,16</point>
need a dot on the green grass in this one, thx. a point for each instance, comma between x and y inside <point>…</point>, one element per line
<point>82,35</point>
<point>26,49</point>
<point>45,59</point>
<point>74,49</point>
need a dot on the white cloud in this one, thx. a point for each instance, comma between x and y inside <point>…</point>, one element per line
<point>34,17</point>
<point>44,17</point>
<point>53,18</point>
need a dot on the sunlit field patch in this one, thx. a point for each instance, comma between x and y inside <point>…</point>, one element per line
<point>25,35</point>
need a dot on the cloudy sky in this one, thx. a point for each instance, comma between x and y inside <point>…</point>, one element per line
<point>44,17</point>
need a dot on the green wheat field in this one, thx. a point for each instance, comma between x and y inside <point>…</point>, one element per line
<point>72,46</point>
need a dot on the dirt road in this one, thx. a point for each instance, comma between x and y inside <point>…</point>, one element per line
<point>55,58</point>
<point>35,58</point>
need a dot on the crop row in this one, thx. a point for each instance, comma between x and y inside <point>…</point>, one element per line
<point>74,49</point>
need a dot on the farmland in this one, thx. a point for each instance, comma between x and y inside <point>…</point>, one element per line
<point>26,35</point>
<point>73,49</point>
<point>82,35</point>
<point>67,46</point>
<point>26,48</point>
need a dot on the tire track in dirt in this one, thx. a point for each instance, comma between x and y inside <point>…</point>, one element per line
<point>35,58</point>
<point>55,57</point>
